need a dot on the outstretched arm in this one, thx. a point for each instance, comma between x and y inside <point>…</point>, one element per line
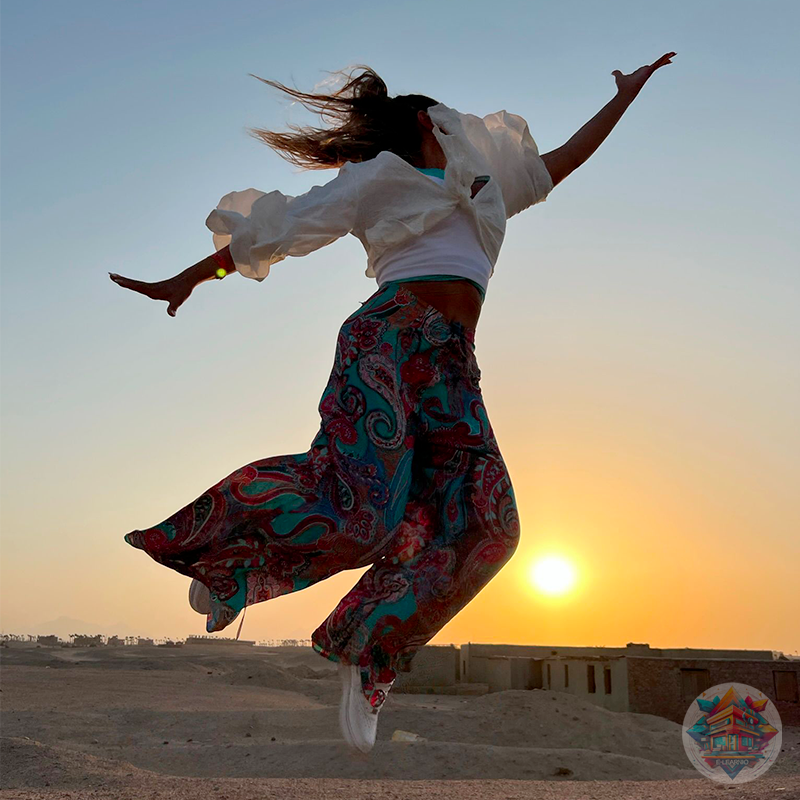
<point>175,291</point>
<point>264,229</point>
<point>567,158</point>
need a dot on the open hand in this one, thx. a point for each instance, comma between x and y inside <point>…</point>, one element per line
<point>174,292</point>
<point>633,82</point>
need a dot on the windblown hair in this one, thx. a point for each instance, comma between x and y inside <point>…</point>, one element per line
<point>365,122</point>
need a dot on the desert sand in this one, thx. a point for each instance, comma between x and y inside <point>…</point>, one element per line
<point>224,723</point>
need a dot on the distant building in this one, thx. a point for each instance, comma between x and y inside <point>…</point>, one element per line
<point>284,643</point>
<point>142,642</point>
<point>115,641</point>
<point>634,678</point>
<point>81,640</point>
<point>218,640</point>
<point>48,641</point>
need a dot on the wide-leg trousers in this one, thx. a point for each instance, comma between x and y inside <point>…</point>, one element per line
<point>404,475</point>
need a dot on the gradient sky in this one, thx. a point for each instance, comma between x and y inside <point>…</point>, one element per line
<point>639,344</point>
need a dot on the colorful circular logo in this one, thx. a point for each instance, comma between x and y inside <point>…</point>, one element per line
<point>732,733</point>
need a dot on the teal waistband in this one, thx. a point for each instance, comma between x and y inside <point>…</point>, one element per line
<point>435,171</point>
<point>443,278</point>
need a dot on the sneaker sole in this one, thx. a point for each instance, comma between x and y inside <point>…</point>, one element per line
<point>355,692</point>
<point>199,597</point>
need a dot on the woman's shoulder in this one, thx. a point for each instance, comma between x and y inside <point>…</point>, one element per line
<point>384,160</point>
<point>375,174</point>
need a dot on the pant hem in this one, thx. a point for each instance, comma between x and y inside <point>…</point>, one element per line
<point>335,657</point>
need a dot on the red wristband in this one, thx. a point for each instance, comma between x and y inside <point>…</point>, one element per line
<point>225,263</point>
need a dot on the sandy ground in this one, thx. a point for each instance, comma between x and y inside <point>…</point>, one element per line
<point>225,724</point>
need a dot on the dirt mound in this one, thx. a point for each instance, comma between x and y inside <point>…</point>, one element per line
<point>397,760</point>
<point>547,719</point>
<point>321,684</point>
<point>28,764</point>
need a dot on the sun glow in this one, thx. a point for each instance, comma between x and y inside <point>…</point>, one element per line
<point>553,575</point>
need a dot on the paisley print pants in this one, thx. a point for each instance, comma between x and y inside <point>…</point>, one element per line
<point>404,475</point>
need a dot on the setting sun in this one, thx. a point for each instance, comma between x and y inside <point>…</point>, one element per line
<point>553,575</point>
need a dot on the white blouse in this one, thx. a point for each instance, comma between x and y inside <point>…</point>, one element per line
<point>451,247</point>
<point>385,201</point>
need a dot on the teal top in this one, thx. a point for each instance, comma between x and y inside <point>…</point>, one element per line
<point>439,173</point>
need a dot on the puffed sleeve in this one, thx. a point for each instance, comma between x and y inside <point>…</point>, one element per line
<point>506,142</point>
<point>264,228</point>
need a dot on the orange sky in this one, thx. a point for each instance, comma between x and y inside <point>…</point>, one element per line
<point>639,344</point>
<point>656,467</point>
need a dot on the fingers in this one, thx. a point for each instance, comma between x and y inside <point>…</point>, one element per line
<point>126,283</point>
<point>665,59</point>
<point>153,291</point>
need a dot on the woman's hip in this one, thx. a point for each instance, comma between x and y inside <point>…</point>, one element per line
<point>444,311</point>
<point>458,301</point>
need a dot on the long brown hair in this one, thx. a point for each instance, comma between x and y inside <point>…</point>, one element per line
<point>366,121</point>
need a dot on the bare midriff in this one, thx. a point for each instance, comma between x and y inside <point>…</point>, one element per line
<point>456,300</point>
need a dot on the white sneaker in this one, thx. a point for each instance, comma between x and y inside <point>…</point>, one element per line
<point>358,716</point>
<point>344,675</point>
<point>199,597</point>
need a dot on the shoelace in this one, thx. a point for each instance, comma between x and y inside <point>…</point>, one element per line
<point>376,693</point>
<point>378,696</point>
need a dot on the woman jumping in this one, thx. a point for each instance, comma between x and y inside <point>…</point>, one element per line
<point>404,475</point>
